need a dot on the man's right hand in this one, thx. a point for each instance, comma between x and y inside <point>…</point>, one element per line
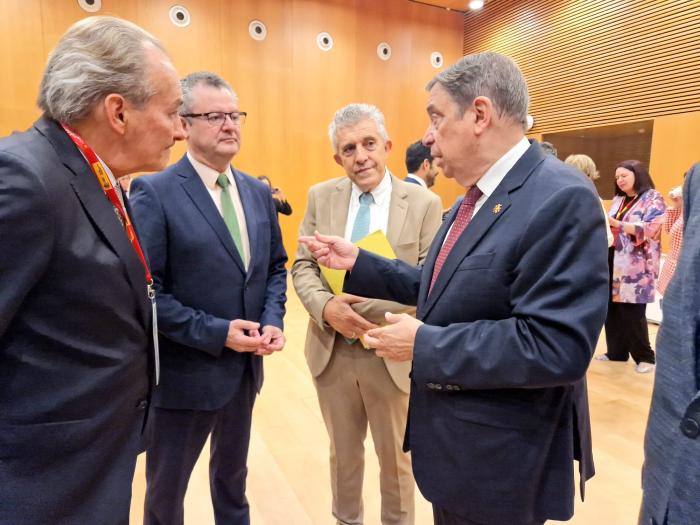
<point>239,341</point>
<point>344,319</point>
<point>331,251</point>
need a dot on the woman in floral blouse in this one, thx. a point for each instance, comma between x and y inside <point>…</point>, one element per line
<point>636,217</point>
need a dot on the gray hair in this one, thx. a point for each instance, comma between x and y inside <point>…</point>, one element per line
<point>205,78</point>
<point>491,75</point>
<point>97,56</point>
<point>351,115</point>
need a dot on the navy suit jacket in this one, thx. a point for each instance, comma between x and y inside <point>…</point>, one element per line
<point>74,339</point>
<point>411,180</point>
<point>201,284</point>
<point>672,443</point>
<point>498,406</point>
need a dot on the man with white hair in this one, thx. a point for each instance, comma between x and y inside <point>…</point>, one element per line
<point>355,387</point>
<point>76,341</point>
<point>510,303</point>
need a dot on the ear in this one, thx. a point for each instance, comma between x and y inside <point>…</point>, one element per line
<point>387,146</point>
<point>186,127</point>
<point>483,111</point>
<point>116,112</point>
<point>425,165</point>
<point>337,160</point>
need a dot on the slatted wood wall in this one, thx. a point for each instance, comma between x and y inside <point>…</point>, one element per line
<point>596,62</point>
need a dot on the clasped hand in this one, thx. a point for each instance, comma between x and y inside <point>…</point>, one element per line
<point>343,319</point>
<point>258,342</point>
<point>395,340</point>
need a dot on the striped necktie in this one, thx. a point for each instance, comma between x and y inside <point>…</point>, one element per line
<point>464,216</point>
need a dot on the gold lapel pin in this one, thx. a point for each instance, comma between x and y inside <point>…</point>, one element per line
<point>497,208</point>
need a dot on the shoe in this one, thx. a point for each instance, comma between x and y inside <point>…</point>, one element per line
<point>601,357</point>
<point>644,368</point>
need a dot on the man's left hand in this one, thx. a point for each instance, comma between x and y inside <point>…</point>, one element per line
<point>273,340</point>
<point>394,341</point>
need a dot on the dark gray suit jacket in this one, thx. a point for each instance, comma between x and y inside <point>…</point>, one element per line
<point>74,339</point>
<point>671,474</point>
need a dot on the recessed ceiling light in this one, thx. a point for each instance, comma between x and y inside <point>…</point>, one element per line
<point>476,4</point>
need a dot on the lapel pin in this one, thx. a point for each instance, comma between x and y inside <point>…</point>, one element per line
<point>497,208</point>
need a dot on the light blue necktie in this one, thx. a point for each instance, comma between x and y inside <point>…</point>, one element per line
<point>360,229</point>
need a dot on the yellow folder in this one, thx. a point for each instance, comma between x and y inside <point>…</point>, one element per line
<point>375,242</point>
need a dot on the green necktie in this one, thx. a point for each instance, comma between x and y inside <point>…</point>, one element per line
<point>229,213</point>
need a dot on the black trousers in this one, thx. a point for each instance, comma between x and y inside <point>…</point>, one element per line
<point>177,438</point>
<point>444,517</point>
<point>626,329</point>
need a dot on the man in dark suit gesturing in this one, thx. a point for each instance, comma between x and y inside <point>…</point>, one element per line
<point>75,318</point>
<point>212,238</point>
<point>511,300</point>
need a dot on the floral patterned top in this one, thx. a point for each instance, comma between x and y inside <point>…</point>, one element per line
<point>636,261</point>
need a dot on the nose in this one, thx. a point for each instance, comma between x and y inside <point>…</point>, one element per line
<point>228,122</point>
<point>179,131</point>
<point>428,138</point>
<point>361,154</point>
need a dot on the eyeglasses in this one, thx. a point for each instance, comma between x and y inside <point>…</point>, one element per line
<point>217,118</point>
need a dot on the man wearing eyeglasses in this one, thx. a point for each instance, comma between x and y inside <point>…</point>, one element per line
<point>213,241</point>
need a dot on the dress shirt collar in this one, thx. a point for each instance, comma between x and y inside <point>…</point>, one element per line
<point>381,194</point>
<point>207,174</point>
<point>417,179</point>
<point>499,169</point>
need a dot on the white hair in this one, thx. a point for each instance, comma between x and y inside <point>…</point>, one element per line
<point>97,56</point>
<point>352,114</point>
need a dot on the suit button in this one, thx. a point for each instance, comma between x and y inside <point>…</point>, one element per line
<point>142,404</point>
<point>456,388</point>
<point>430,386</point>
<point>438,386</point>
<point>448,387</point>
<point>690,427</point>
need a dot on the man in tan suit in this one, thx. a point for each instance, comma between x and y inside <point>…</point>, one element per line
<point>354,386</point>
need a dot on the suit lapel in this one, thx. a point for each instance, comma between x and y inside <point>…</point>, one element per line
<point>251,213</point>
<point>194,187</point>
<point>99,209</point>
<point>495,207</point>
<point>340,205</point>
<point>398,209</point>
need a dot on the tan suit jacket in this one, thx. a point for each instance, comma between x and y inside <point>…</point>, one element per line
<point>415,215</point>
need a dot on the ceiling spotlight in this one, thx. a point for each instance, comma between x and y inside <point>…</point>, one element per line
<point>476,4</point>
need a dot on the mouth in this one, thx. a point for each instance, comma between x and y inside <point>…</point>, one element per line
<point>364,170</point>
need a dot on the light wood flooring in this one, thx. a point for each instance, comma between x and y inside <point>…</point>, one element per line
<point>288,480</point>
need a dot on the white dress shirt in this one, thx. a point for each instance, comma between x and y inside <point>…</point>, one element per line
<point>209,176</point>
<point>490,180</point>
<point>417,179</point>
<point>378,210</point>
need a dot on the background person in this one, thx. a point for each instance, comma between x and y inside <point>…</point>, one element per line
<point>586,166</point>
<point>420,166</point>
<point>75,318</point>
<point>673,225</point>
<point>281,203</point>
<point>636,215</point>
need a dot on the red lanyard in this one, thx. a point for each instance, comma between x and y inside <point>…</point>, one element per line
<point>111,194</point>
<point>625,207</point>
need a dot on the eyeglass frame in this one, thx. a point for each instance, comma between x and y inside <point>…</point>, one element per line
<point>230,115</point>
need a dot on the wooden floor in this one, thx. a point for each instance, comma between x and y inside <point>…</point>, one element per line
<point>288,481</point>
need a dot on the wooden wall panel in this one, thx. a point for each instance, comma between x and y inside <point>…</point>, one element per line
<point>596,62</point>
<point>290,88</point>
